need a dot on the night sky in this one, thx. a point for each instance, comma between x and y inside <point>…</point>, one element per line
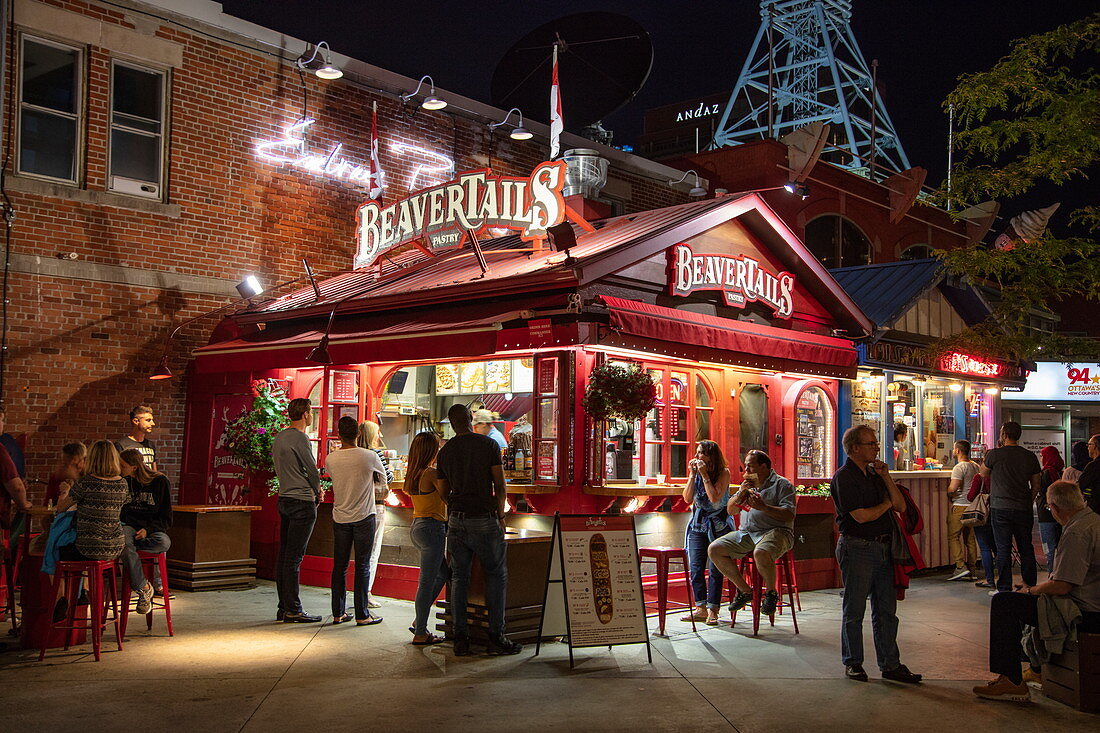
<point>699,46</point>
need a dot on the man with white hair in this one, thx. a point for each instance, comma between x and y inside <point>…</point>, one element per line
<point>1076,575</point>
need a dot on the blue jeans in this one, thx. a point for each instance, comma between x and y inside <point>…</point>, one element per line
<point>297,518</point>
<point>152,542</point>
<point>344,536</point>
<point>868,569</point>
<point>430,537</point>
<point>1051,532</point>
<point>481,535</point>
<point>1013,525</point>
<point>986,543</point>
<point>707,589</point>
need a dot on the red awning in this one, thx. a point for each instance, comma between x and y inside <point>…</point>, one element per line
<point>469,330</point>
<point>776,346</point>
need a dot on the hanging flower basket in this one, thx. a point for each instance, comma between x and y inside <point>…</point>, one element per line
<point>616,391</point>
<point>250,435</point>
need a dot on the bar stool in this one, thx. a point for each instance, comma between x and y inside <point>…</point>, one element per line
<point>71,573</point>
<point>148,561</point>
<point>784,581</point>
<point>663,556</point>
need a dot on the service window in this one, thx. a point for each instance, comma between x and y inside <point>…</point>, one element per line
<point>814,429</point>
<point>548,386</point>
<point>50,109</point>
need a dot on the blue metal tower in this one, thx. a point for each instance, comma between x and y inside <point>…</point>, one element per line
<point>806,66</point>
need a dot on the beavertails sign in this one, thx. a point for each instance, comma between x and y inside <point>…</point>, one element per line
<point>742,279</point>
<point>443,215</point>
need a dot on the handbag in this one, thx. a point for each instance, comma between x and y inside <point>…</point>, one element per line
<point>977,513</point>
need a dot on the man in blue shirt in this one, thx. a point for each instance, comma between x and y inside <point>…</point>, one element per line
<point>483,425</point>
<point>864,495</point>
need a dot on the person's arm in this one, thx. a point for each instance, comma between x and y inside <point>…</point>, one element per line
<point>1047,588</point>
<point>162,492</point>
<point>784,511</point>
<point>896,499</point>
<point>499,490</point>
<point>304,453</point>
<point>17,490</point>
<point>1035,479</point>
<point>717,489</point>
<point>67,498</point>
<point>984,471</point>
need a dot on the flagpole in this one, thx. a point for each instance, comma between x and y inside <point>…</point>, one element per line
<point>556,125</point>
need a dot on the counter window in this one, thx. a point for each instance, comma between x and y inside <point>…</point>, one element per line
<point>752,406</point>
<point>814,434</point>
<point>901,407</point>
<point>867,404</point>
<point>938,424</point>
<point>548,399</point>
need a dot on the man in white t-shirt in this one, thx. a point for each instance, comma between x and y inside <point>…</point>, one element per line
<point>964,553</point>
<point>354,472</point>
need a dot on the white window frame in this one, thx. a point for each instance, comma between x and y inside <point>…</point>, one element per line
<point>161,183</point>
<point>78,116</point>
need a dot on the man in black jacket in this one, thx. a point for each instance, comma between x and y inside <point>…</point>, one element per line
<point>1089,481</point>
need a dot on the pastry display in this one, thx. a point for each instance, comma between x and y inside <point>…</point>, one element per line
<point>601,578</point>
<point>446,379</point>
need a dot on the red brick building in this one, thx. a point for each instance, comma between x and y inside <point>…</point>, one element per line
<point>140,201</point>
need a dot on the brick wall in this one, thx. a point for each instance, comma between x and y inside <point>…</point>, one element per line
<point>80,348</point>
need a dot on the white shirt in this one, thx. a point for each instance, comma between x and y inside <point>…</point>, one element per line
<point>354,472</point>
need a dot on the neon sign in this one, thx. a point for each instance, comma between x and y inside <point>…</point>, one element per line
<point>440,164</point>
<point>742,279</point>
<point>963,364</point>
<point>476,200</point>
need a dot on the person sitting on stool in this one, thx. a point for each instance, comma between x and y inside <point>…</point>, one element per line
<point>1076,575</point>
<point>145,521</point>
<point>767,505</point>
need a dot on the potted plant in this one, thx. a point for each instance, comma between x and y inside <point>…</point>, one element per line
<point>617,391</point>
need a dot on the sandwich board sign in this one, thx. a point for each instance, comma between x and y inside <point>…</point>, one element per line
<point>594,584</point>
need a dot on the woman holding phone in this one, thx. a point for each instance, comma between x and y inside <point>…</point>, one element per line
<point>707,491</point>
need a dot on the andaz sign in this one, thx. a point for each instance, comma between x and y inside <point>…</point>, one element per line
<point>476,200</point>
<point>742,279</point>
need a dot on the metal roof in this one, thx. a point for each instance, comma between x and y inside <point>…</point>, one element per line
<point>884,292</point>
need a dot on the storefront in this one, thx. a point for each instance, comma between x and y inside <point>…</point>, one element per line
<point>716,300</point>
<point>919,402</point>
<point>1059,406</point>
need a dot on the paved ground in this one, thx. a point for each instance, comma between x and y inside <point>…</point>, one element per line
<point>231,668</point>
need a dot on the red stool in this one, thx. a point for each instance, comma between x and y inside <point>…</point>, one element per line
<point>784,581</point>
<point>148,560</point>
<point>662,556</point>
<point>71,573</point>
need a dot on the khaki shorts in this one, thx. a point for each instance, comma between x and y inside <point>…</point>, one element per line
<point>776,542</point>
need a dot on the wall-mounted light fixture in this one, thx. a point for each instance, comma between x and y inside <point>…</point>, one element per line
<point>697,190</point>
<point>876,375</point>
<point>798,189</point>
<point>326,70</point>
<point>519,132</point>
<point>431,101</point>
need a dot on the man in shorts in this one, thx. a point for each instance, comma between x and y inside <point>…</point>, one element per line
<point>767,505</point>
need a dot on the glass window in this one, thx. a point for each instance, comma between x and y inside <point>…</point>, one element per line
<point>313,432</point>
<point>547,390</point>
<point>137,130</point>
<point>938,424</point>
<point>917,252</point>
<point>837,242</point>
<point>901,408</point>
<point>814,433</point>
<point>49,110</point>
<point>867,403</point>
<point>752,403</point>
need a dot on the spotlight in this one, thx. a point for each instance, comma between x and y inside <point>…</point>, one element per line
<point>798,189</point>
<point>326,70</point>
<point>431,101</point>
<point>250,287</point>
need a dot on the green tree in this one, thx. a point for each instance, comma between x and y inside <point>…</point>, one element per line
<point>1030,121</point>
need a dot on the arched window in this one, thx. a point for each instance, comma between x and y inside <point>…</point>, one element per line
<point>916,252</point>
<point>814,429</point>
<point>837,242</point>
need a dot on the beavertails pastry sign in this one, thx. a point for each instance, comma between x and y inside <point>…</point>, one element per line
<point>742,279</point>
<point>441,217</point>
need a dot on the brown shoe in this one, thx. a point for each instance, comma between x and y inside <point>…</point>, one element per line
<point>699,616</point>
<point>1004,689</point>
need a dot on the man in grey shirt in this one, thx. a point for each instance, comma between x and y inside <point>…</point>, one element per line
<point>767,502</point>
<point>1014,483</point>
<point>299,495</point>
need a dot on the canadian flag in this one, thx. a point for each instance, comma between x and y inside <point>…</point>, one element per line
<point>556,125</point>
<point>375,179</point>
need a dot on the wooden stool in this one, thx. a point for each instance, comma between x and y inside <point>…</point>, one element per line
<point>148,560</point>
<point>71,573</point>
<point>784,581</point>
<point>1073,677</point>
<point>662,556</point>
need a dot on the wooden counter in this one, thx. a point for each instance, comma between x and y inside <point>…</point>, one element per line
<point>510,486</point>
<point>528,554</point>
<point>929,490</point>
<point>635,490</point>
<point>210,547</point>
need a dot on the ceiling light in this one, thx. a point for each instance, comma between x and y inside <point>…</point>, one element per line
<point>955,386</point>
<point>992,390</point>
<point>431,101</point>
<point>326,70</point>
<point>918,379</point>
<point>876,375</point>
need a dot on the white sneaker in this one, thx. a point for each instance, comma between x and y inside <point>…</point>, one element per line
<point>994,592</point>
<point>960,574</point>
<point>144,599</point>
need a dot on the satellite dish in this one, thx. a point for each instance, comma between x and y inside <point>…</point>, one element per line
<point>603,61</point>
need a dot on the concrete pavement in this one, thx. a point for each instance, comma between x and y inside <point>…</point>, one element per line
<point>230,667</point>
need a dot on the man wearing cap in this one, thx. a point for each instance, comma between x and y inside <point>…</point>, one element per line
<point>483,425</point>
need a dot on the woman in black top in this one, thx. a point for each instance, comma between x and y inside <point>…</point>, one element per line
<point>145,521</point>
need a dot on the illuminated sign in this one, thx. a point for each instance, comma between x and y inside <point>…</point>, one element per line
<point>1057,382</point>
<point>742,279</point>
<point>963,364</point>
<point>703,110</point>
<point>476,200</point>
<point>442,166</point>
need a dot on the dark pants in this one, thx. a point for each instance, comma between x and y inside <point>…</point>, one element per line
<point>1008,614</point>
<point>1050,532</point>
<point>297,520</point>
<point>481,535</point>
<point>430,537</point>
<point>986,545</point>
<point>868,570</point>
<point>1013,525</point>
<point>706,580</point>
<point>344,536</point>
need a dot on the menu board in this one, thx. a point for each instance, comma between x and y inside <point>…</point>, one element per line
<point>446,379</point>
<point>498,376</point>
<point>594,587</point>
<point>343,387</point>
<point>471,378</point>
